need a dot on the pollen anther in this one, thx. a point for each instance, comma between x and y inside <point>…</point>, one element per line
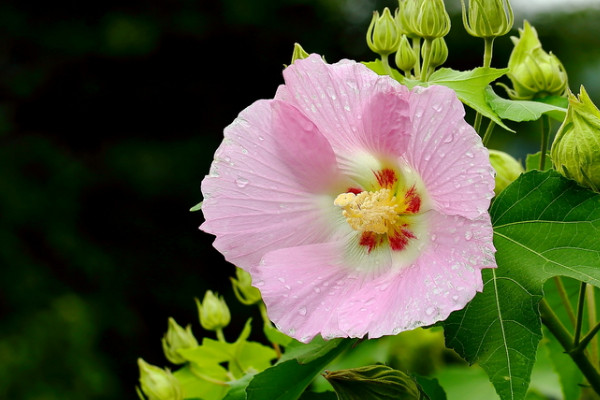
<point>370,211</point>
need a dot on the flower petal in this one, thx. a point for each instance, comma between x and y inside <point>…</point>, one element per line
<point>443,279</point>
<point>448,154</point>
<point>253,199</point>
<point>354,108</point>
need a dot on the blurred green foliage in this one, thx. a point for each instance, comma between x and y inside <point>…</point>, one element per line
<point>110,113</point>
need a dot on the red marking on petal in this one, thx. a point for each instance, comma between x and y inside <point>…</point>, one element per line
<point>399,239</point>
<point>413,201</point>
<point>386,178</point>
<point>354,190</point>
<point>369,240</point>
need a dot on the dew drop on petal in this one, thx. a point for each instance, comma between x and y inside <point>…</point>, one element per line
<point>241,182</point>
<point>468,235</point>
<point>429,311</point>
<point>261,138</point>
<point>449,139</point>
<point>469,154</point>
<point>317,290</point>
<point>302,311</point>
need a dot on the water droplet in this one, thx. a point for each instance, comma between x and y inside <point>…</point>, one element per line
<point>317,290</point>
<point>429,311</point>
<point>261,138</point>
<point>347,107</point>
<point>288,287</point>
<point>449,139</point>
<point>469,154</point>
<point>468,235</point>
<point>282,280</point>
<point>455,297</point>
<point>437,107</point>
<point>302,311</point>
<point>433,237</point>
<point>241,182</point>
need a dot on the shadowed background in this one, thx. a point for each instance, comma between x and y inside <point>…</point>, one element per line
<point>110,113</point>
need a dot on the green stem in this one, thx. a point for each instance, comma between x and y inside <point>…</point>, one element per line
<point>220,335</point>
<point>426,60</point>
<point>566,340</point>
<point>587,338</point>
<point>544,141</point>
<point>488,49</point>
<point>590,299</point>
<point>386,64</point>
<point>488,131</point>
<point>416,43</point>
<point>267,323</point>
<point>579,320</point>
<point>564,298</point>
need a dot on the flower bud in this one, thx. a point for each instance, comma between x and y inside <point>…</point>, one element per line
<point>299,53</point>
<point>405,56</point>
<point>383,35</point>
<point>406,17</point>
<point>439,52</point>
<point>177,338</point>
<point>157,383</point>
<point>243,289</point>
<point>507,169</point>
<point>432,20</point>
<point>575,152</point>
<point>487,18</point>
<point>214,313</point>
<point>533,72</point>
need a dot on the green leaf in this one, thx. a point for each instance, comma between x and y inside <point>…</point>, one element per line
<point>201,382</point>
<point>532,162</point>
<point>306,352</point>
<point>237,388</point>
<point>375,382</point>
<point>286,380</point>
<point>432,388</point>
<point>522,110</point>
<point>274,335</point>
<point>544,226</point>
<point>308,395</point>
<point>377,67</point>
<point>470,87</point>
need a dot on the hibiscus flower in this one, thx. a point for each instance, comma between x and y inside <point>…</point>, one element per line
<point>359,207</point>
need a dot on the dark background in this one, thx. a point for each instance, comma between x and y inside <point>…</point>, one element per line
<point>109,115</point>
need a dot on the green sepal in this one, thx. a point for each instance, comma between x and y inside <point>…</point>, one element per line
<point>522,110</point>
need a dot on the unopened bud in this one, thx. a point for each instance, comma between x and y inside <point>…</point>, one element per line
<point>157,383</point>
<point>406,17</point>
<point>405,56</point>
<point>575,152</point>
<point>487,18</point>
<point>243,289</point>
<point>507,169</point>
<point>383,34</point>
<point>214,313</point>
<point>533,72</point>
<point>299,53</point>
<point>175,339</point>
<point>432,20</point>
<point>439,53</point>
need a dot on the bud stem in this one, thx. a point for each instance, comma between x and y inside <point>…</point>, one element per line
<point>416,42</point>
<point>488,131</point>
<point>386,64</point>
<point>267,322</point>
<point>426,58</point>
<point>590,298</point>
<point>220,335</point>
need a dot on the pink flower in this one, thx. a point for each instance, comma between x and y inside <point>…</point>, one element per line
<point>359,207</point>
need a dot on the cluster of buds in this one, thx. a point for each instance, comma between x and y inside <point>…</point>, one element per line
<point>575,151</point>
<point>533,72</point>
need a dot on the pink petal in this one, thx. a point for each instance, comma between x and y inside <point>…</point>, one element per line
<point>353,107</point>
<point>444,278</point>
<point>448,154</point>
<point>312,289</point>
<point>255,200</point>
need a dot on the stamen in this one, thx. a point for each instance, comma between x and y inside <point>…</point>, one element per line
<point>375,212</point>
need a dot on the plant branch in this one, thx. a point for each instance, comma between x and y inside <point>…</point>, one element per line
<point>564,297</point>
<point>579,320</point>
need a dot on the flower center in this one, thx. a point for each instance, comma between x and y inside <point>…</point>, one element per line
<point>382,215</point>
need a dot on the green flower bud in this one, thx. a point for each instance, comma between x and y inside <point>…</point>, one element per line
<point>533,72</point>
<point>575,152</point>
<point>432,20</point>
<point>299,53</point>
<point>439,53</point>
<point>177,338</point>
<point>214,313</point>
<point>383,35</point>
<point>243,289</point>
<point>405,56</point>
<point>406,17</point>
<point>157,383</point>
<point>507,169</point>
<point>487,18</point>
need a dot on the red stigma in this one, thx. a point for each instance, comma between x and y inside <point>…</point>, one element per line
<point>354,190</point>
<point>386,178</point>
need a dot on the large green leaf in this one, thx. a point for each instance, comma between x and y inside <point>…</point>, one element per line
<point>289,378</point>
<point>544,226</point>
<point>522,110</point>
